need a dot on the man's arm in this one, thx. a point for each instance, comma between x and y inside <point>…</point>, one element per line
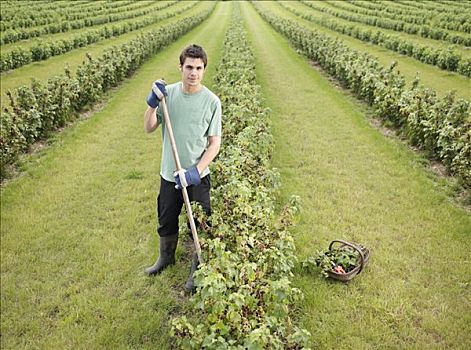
<point>214,143</point>
<point>150,120</point>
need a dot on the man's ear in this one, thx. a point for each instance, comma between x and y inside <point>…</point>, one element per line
<point>180,67</point>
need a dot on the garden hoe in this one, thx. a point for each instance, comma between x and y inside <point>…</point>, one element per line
<point>181,172</point>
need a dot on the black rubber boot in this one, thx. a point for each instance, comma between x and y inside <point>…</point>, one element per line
<point>167,248</point>
<point>190,283</point>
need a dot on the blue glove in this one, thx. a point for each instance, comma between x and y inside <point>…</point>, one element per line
<point>157,93</point>
<point>191,177</point>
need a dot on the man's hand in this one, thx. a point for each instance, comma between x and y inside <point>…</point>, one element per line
<point>189,177</point>
<point>157,93</point>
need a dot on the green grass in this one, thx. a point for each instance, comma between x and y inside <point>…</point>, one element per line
<point>43,70</point>
<point>78,227</point>
<point>358,185</point>
<point>430,76</point>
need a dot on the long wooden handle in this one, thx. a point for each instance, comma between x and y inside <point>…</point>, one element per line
<point>186,198</point>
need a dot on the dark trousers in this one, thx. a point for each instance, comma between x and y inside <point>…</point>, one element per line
<point>170,202</point>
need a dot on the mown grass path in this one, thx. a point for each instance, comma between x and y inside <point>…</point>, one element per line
<point>358,185</point>
<point>78,227</point>
<point>430,76</point>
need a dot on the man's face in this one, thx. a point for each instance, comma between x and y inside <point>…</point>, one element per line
<point>192,71</point>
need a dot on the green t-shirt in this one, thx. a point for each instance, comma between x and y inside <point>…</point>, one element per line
<point>194,117</point>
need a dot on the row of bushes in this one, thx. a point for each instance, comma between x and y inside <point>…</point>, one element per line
<point>423,30</point>
<point>38,110</point>
<point>243,290</point>
<point>452,7</point>
<point>12,9</point>
<point>417,8</point>
<point>61,26</point>
<point>26,11</point>
<point>450,21</point>
<point>19,56</point>
<point>439,126</point>
<point>31,18</point>
<point>445,59</point>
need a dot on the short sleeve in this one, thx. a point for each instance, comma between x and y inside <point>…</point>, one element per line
<point>215,126</point>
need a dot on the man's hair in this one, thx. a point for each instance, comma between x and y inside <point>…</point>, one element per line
<point>193,51</point>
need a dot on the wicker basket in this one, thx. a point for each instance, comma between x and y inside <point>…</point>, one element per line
<point>363,257</point>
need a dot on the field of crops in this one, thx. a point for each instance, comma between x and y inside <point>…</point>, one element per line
<point>341,120</point>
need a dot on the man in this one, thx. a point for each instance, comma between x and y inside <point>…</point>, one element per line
<point>195,115</point>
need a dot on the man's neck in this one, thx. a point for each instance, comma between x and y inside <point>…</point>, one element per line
<point>189,89</point>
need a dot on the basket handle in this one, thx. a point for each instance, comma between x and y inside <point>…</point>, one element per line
<point>362,258</point>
